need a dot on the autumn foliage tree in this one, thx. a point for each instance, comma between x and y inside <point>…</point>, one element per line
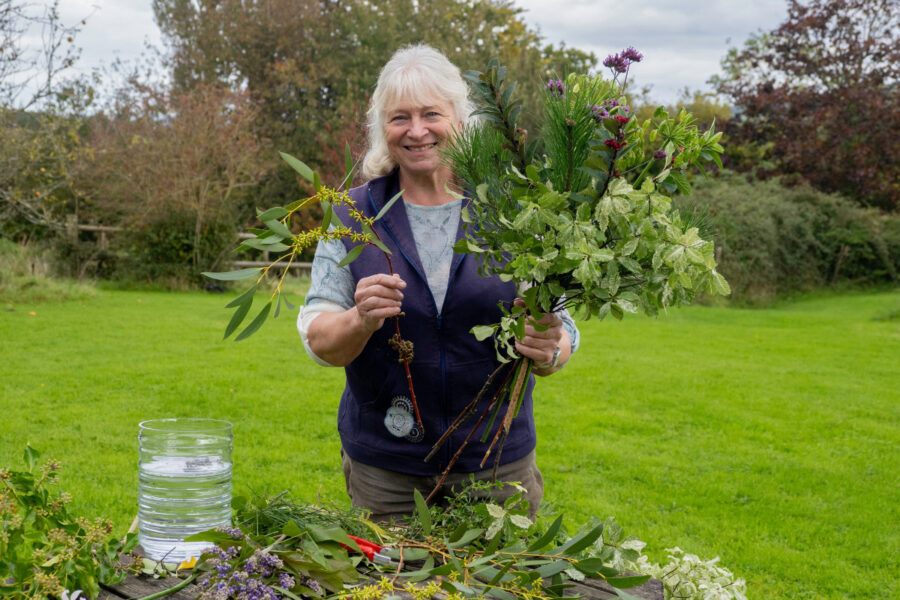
<point>174,169</point>
<point>311,65</point>
<point>823,90</point>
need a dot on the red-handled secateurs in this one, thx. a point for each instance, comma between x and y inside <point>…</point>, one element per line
<point>371,550</point>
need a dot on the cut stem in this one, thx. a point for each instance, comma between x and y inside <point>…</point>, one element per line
<point>468,411</point>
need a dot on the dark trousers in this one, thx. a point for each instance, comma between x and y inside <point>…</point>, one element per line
<point>389,494</point>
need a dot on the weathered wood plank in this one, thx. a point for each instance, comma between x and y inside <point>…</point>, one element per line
<point>138,587</point>
<point>597,589</point>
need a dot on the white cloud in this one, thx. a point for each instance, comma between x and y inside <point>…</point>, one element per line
<point>682,41</point>
<point>115,29</point>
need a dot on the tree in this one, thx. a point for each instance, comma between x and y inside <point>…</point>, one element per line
<point>824,89</point>
<point>173,169</point>
<point>39,121</point>
<point>312,63</point>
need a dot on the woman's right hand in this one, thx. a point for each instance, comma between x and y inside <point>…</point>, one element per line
<point>378,297</point>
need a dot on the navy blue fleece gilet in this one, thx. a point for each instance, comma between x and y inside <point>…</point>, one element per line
<point>449,368</point>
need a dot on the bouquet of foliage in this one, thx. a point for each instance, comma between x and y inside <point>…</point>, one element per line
<point>580,217</point>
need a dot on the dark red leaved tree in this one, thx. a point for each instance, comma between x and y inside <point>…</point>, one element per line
<point>823,89</point>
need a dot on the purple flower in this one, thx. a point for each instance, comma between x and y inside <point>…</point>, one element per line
<point>660,154</point>
<point>286,581</point>
<point>234,532</point>
<point>611,103</point>
<point>616,62</point>
<point>556,87</point>
<point>313,585</point>
<point>598,113</point>
<point>632,55</point>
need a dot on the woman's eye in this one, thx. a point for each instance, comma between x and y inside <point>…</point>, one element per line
<point>397,118</point>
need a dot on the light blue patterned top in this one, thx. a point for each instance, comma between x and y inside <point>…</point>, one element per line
<point>434,231</point>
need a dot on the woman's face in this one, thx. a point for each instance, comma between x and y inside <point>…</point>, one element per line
<point>414,134</point>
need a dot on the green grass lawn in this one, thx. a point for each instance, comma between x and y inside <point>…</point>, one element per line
<point>766,437</point>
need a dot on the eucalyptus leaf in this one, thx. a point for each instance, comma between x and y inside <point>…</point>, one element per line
<point>256,323</point>
<point>548,537</point>
<point>238,317</point>
<point>467,538</point>
<point>388,205</point>
<point>276,212</point>
<point>423,512</point>
<point>299,166</point>
<point>279,228</point>
<point>243,297</point>
<point>233,275</point>
<point>352,255</point>
<point>580,542</point>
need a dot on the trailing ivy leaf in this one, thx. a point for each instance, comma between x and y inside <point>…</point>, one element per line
<point>352,255</point>
<point>232,275</point>
<point>299,166</point>
<point>256,323</point>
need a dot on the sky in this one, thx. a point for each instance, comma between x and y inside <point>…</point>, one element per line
<point>682,40</point>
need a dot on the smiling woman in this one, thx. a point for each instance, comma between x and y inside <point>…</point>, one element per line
<point>413,135</point>
<point>386,431</point>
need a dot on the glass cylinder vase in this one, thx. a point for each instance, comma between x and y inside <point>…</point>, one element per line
<point>184,484</point>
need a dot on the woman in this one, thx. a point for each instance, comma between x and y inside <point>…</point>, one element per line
<point>419,101</point>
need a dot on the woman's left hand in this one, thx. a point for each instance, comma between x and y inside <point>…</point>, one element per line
<point>540,346</point>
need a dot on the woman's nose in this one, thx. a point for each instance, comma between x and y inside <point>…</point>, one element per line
<point>417,128</point>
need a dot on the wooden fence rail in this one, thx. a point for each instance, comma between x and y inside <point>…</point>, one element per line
<point>73,227</point>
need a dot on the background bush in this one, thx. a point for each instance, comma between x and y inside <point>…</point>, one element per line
<point>772,240</point>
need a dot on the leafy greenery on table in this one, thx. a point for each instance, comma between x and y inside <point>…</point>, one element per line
<point>469,548</point>
<point>44,550</point>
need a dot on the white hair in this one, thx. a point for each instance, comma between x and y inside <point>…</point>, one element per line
<point>418,74</point>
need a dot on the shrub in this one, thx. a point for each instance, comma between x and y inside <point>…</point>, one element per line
<point>25,277</point>
<point>772,240</point>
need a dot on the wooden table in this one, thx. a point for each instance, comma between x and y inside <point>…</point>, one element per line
<point>139,587</point>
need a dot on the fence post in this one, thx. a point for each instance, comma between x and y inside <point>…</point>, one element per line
<point>72,228</point>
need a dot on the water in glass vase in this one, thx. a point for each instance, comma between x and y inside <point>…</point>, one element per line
<point>184,487</point>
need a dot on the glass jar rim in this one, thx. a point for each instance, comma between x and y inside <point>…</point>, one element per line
<point>185,425</point>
